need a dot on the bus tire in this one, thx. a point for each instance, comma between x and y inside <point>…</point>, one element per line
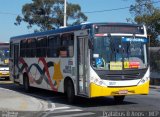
<point>26,83</point>
<point>119,99</point>
<point>70,92</point>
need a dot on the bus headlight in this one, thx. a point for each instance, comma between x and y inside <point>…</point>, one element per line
<point>142,81</point>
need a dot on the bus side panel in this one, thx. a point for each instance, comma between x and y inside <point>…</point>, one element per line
<point>63,68</point>
<point>35,70</point>
<point>47,73</point>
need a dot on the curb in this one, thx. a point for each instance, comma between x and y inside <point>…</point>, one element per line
<point>6,82</point>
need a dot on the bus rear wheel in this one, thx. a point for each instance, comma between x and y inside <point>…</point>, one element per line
<point>26,83</point>
<point>70,92</point>
<point>119,99</point>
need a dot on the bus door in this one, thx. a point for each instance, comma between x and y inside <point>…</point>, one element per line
<point>15,61</point>
<point>82,65</point>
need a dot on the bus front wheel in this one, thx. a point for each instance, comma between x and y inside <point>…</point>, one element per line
<point>119,99</point>
<point>70,92</point>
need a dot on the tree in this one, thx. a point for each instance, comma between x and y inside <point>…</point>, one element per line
<point>146,13</point>
<point>48,14</point>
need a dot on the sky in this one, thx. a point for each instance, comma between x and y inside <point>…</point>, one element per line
<point>9,9</point>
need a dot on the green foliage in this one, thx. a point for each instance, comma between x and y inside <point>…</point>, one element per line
<point>146,13</point>
<point>48,14</point>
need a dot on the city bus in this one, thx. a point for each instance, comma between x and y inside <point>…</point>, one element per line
<point>87,60</point>
<point>4,60</point>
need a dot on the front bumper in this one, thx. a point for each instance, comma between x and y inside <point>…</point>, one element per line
<point>98,91</point>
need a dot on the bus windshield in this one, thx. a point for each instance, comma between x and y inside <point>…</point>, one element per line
<point>118,53</point>
<point>4,56</point>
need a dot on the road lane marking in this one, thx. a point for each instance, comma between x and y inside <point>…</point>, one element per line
<point>6,82</point>
<point>62,112</point>
<point>70,110</point>
<point>51,110</point>
<point>76,115</point>
<point>58,108</point>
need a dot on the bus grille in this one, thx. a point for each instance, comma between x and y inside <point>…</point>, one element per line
<point>131,76</point>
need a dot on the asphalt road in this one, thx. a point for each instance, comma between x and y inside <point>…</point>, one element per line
<point>16,103</point>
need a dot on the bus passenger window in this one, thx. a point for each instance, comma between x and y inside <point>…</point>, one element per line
<point>41,47</point>
<point>23,45</point>
<point>68,44</point>
<point>31,48</point>
<point>28,50</point>
<point>53,46</point>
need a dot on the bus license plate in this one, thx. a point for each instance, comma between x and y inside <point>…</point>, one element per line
<point>123,92</point>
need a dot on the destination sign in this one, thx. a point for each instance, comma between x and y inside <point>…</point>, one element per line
<point>119,29</point>
<point>143,40</point>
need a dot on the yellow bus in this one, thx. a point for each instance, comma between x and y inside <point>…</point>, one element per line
<point>88,60</point>
<point>4,60</point>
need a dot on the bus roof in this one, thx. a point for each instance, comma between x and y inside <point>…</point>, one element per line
<point>67,29</point>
